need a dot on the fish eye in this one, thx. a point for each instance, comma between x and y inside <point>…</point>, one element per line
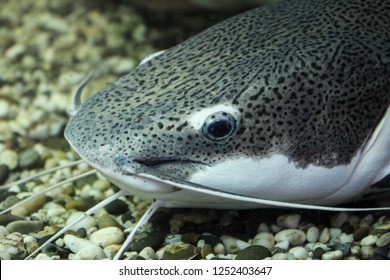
<point>219,126</point>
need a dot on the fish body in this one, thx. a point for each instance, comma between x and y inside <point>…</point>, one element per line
<point>287,102</point>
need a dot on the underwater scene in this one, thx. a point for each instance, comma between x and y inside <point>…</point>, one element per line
<point>56,55</point>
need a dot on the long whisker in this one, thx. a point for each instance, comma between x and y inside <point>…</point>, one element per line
<point>85,214</point>
<point>37,175</point>
<point>144,219</point>
<point>85,174</point>
<point>180,183</point>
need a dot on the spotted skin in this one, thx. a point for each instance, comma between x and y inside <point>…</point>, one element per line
<point>309,80</point>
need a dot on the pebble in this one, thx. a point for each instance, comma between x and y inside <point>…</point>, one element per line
<point>206,250</point>
<point>324,235</point>
<point>366,252</point>
<point>90,252</point>
<point>282,245</point>
<point>233,244</point>
<point>333,255</point>
<point>293,236</point>
<point>7,218</point>
<point>29,158</point>
<point>368,240</point>
<point>29,206</point>
<point>153,239</point>
<point>288,221</point>
<point>117,207</point>
<point>339,219</point>
<point>312,235</point>
<point>4,173</point>
<point>9,158</point>
<point>219,249</point>
<point>210,239</point>
<point>383,240</point>
<point>318,252</point>
<point>254,252</point>
<point>25,227</point>
<point>105,220</point>
<point>264,239</point>
<point>263,227</point>
<point>190,237</point>
<point>279,256</point>
<point>13,245</point>
<point>86,223</point>
<point>181,251</point>
<point>299,253</point>
<point>360,233</point>
<point>148,253</point>
<point>3,232</point>
<point>107,236</point>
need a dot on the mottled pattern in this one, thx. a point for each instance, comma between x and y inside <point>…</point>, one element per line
<point>311,80</point>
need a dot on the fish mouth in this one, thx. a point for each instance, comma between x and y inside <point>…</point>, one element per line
<point>155,161</point>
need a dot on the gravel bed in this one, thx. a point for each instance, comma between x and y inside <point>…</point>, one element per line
<point>46,53</point>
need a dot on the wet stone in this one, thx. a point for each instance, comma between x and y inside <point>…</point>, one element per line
<point>343,247</point>
<point>181,251</point>
<point>29,159</point>
<point>368,240</point>
<point>255,252</point>
<point>117,207</point>
<point>264,239</point>
<point>4,173</point>
<point>366,252</point>
<point>312,235</point>
<point>324,236</point>
<point>13,245</point>
<point>107,236</point>
<point>339,219</point>
<point>25,227</point>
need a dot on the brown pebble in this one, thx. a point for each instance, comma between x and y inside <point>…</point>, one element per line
<point>25,227</point>
<point>360,233</point>
<point>30,206</point>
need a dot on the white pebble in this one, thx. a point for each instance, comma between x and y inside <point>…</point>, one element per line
<point>312,235</point>
<point>219,248</point>
<point>346,238</point>
<point>173,238</point>
<point>369,240</point>
<point>3,232</point>
<point>334,233</point>
<point>367,252</point>
<point>107,236</point>
<point>9,158</point>
<point>86,223</point>
<point>4,108</point>
<point>299,253</point>
<point>288,221</point>
<point>279,256</point>
<point>148,253</point>
<point>293,236</point>
<point>282,245</point>
<point>264,239</point>
<point>91,252</point>
<point>383,240</point>
<point>324,236</point>
<point>333,255</point>
<point>75,243</point>
<point>230,243</point>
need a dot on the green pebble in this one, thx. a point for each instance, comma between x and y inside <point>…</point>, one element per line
<point>206,250</point>
<point>182,251</point>
<point>317,253</point>
<point>25,227</point>
<point>105,220</point>
<point>190,237</point>
<point>7,218</point>
<point>255,252</point>
<point>30,159</point>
